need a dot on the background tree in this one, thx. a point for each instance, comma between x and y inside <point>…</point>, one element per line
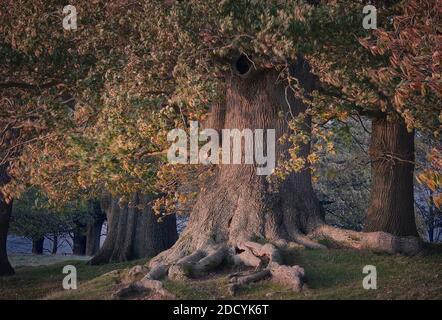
<point>33,70</point>
<point>94,227</point>
<point>342,178</point>
<point>428,189</point>
<point>134,231</point>
<point>35,219</point>
<point>405,77</point>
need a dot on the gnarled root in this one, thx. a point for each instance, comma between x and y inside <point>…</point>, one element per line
<point>198,263</point>
<point>266,259</point>
<point>293,276</point>
<point>158,272</point>
<point>247,258</point>
<point>375,241</point>
<point>191,266</point>
<point>257,255</point>
<point>237,282</point>
<point>141,286</point>
<point>307,242</point>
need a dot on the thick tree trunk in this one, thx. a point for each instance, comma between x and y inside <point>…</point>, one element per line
<point>93,229</point>
<point>5,216</point>
<point>79,243</point>
<point>37,245</point>
<point>151,236</point>
<point>93,236</point>
<point>133,232</point>
<point>238,210</point>
<point>392,197</point>
<point>238,205</point>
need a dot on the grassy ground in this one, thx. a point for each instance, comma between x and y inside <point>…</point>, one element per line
<point>331,274</point>
<point>33,260</point>
<point>39,282</point>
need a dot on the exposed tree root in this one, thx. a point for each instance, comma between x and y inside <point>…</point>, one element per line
<point>267,250</point>
<point>247,258</point>
<point>292,276</point>
<point>198,263</point>
<point>158,272</point>
<point>265,259</point>
<point>375,241</point>
<point>237,282</point>
<point>141,286</point>
<point>307,242</point>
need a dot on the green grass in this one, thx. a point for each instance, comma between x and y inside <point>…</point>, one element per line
<point>331,274</point>
<point>38,282</point>
<point>336,274</point>
<point>33,260</point>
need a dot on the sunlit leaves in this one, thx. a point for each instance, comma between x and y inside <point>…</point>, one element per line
<point>136,69</point>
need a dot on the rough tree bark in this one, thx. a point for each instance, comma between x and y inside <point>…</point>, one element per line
<point>239,207</point>
<point>242,204</point>
<point>93,229</point>
<point>237,210</point>
<point>392,197</point>
<point>133,231</point>
<point>5,216</point>
<point>37,245</point>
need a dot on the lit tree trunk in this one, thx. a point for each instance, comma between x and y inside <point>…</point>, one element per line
<point>93,229</point>
<point>133,232</point>
<point>392,197</point>
<point>237,210</point>
<point>37,245</point>
<point>5,216</point>
<point>237,205</point>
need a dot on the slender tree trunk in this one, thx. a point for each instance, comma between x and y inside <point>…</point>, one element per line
<point>79,243</point>
<point>431,234</point>
<point>133,232</point>
<point>93,229</point>
<point>5,216</point>
<point>431,218</point>
<point>238,205</point>
<point>392,196</point>
<point>55,244</point>
<point>37,245</point>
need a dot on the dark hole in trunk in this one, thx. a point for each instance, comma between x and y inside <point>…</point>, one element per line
<point>243,65</point>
